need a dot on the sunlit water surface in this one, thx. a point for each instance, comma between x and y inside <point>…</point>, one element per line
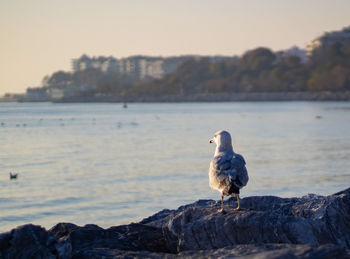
<point>102,164</point>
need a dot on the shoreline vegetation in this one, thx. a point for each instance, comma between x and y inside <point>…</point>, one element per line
<point>321,72</point>
<point>311,226</point>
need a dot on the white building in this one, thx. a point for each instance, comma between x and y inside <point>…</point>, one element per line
<point>153,69</point>
<point>296,51</point>
<point>139,67</point>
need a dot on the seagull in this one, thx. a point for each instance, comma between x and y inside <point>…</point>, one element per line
<point>227,171</point>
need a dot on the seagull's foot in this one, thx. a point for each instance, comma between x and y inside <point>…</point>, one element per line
<point>222,211</point>
<point>237,209</point>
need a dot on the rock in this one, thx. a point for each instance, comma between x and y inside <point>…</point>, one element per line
<point>27,241</point>
<point>132,237</point>
<point>160,219</point>
<point>270,251</point>
<point>313,220</point>
<point>267,227</point>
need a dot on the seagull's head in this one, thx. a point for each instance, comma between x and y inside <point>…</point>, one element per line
<point>223,141</point>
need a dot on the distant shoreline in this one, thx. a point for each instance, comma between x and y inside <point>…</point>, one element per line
<point>237,97</point>
<point>222,97</point>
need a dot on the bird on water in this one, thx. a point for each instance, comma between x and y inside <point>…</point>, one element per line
<point>227,171</point>
<point>13,176</point>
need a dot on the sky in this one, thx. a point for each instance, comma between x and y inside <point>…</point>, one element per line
<point>40,37</point>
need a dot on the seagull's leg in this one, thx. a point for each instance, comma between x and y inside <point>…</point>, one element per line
<point>238,205</point>
<point>222,204</point>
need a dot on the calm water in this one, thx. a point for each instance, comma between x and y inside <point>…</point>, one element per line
<point>102,164</point>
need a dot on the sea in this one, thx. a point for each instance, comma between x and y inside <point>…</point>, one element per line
<point>105,164</point>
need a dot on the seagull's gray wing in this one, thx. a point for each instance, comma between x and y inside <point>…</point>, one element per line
<point>221,168</point>
<point>228,168</point>
<point>238,163</point>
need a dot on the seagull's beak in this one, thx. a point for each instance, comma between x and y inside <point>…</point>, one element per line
<point>211,141</point>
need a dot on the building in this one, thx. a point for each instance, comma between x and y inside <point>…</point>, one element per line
<point>56,93</point>
<point>37,94</point>
<point>138,67</point>
<point>110,65</point>
<point>153,69</point>
<point>298,52</point>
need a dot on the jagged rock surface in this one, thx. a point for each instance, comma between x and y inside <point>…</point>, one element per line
<point>267,227</point>
<point>27,241</point>
<point>313,220</point>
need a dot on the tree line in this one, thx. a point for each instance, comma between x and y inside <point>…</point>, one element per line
<point>258,70</point>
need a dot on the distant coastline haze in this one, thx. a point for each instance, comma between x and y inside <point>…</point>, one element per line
<point>41,37</point>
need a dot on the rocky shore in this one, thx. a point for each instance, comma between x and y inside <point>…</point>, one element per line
<point>267,227</point>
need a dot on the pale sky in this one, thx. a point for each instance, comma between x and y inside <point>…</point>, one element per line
<point>39,37</point>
